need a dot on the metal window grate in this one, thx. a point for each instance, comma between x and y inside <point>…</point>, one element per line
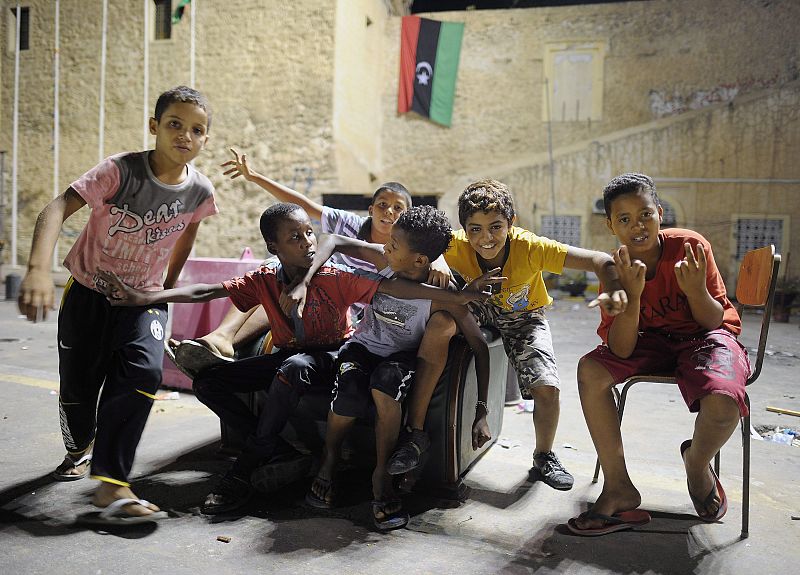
<point>565,229</point>
<point>24,28</point>
<point>753,233</point>
<point>163,17</point>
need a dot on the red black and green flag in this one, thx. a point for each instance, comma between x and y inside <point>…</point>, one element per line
<point>178,13</point>
<point>429,53</point>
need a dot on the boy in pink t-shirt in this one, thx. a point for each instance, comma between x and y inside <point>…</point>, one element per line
<point>146,208</point>
<point>679,320</point>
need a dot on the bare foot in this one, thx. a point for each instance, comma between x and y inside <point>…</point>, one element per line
<point>611,502</point>
<point>74,464</point>
<point>217,343</point>
<point>382,486</point>
<point>107,493</point>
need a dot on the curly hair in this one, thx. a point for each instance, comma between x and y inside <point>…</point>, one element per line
<point>486,196</point>
<point>395,187</point>
<point>272,216</point>
<point>428,230</point>
<point>182,94</point>
<point>628,183</point>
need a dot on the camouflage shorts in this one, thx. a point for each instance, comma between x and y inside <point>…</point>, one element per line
<point>528,344</point>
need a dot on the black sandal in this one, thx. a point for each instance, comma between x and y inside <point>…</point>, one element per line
<point>327,501</point>
<point>387,521</point>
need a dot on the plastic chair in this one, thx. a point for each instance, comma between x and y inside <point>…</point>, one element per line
<point>755,289</point>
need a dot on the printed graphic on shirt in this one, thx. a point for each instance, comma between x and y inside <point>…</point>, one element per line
<point>390,314</point>
<point>518,298</point>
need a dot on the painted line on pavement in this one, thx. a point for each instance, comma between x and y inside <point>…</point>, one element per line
<point>32,381</point>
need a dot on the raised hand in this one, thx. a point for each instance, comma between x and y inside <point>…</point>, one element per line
<point>691,270</point>
<point>439,274</point>
<point>631,273</point>
<point>484,283</point>
<point>237,166</point>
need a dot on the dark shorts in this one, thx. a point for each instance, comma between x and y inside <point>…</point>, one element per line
<point>713,363</point>
<point>359,371</point>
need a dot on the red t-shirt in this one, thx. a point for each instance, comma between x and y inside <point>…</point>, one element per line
<point>325,322</point>
<point>664,306</point>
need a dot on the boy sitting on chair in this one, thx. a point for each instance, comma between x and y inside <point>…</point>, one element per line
<point>679,320</point>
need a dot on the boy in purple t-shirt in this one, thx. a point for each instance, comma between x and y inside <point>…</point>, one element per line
<point>146,208</point>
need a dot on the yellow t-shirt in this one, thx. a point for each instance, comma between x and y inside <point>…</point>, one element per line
<point>528,257</point>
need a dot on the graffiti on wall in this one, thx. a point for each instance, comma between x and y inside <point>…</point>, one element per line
<point>663,103</point>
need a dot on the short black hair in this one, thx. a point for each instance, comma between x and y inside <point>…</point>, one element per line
<point>182,94</point>
<point>395,187</point>
<point>272,217</point>
<point>486,196</point>
<point>428,230</point>
<point>628,183</point>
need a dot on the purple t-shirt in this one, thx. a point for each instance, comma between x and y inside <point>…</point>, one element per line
<point>135,220</point>
<point>345,224</point>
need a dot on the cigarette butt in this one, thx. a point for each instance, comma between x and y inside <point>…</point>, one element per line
<point>223,538</point>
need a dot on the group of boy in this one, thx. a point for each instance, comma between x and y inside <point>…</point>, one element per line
<point>663,306</point>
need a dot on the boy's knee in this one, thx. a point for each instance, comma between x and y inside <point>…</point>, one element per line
<point>593,375</point>
<point>441,324</point>
<point>390,380</point>
<point>719,409</point>
<point>545,395</point>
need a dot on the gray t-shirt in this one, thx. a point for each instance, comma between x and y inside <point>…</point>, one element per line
<point>391,324</point>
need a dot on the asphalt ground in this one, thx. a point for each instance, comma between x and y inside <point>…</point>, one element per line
<point>508,524</point>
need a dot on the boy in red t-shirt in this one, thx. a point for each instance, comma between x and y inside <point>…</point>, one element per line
<point>678,319</point>
<point>307,346</point>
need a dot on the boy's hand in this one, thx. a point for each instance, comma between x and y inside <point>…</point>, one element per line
<point>116,292</point>
<point>631,273</point>
<point>483,284</point>
<point>480,432</point>
<point>36,295</point>
<point>294,295</point>
<point>238,166</point>
<point>439,274</point>
<point>613,303</point>
<point>691,270</point>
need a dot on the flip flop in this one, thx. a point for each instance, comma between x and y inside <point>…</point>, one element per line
<point>612,523</point>
<point>701,506</point>
<point>194,356</point>
<point>114,515</point>
<point>60,472</point>
<point>315,500</point>
<point>169,351</point>
<point>395,520</point>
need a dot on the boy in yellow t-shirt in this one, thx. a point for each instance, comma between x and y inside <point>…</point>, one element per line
<point>490,240</point>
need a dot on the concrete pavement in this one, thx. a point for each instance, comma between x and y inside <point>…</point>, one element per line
<point>508,524</point>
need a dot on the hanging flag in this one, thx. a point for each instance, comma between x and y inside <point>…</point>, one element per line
<point>429,53</point>
<point>178,13</point>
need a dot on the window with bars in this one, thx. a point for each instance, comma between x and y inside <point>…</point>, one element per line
<point>753,233</point>
<point>162,30</point>
<point>565,229</point>
<point>24,29</point>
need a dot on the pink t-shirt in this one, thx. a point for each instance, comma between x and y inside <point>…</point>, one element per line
<point>135,220</point>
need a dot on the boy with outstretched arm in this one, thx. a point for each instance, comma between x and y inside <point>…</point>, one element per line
<point>376,366</point>
<point>389,201</point>
<point>307,345</point>
<point>490,240</point>
<point>678,319</point>
<point>146,208</point>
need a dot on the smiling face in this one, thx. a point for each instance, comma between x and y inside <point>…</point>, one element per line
<point>636,220</point>
<point>385,209</point>
<point>487,233</point>
<point>181,132</point>
<point>295,243</point>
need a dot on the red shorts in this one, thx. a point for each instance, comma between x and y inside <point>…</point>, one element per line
<point>712,363</point>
